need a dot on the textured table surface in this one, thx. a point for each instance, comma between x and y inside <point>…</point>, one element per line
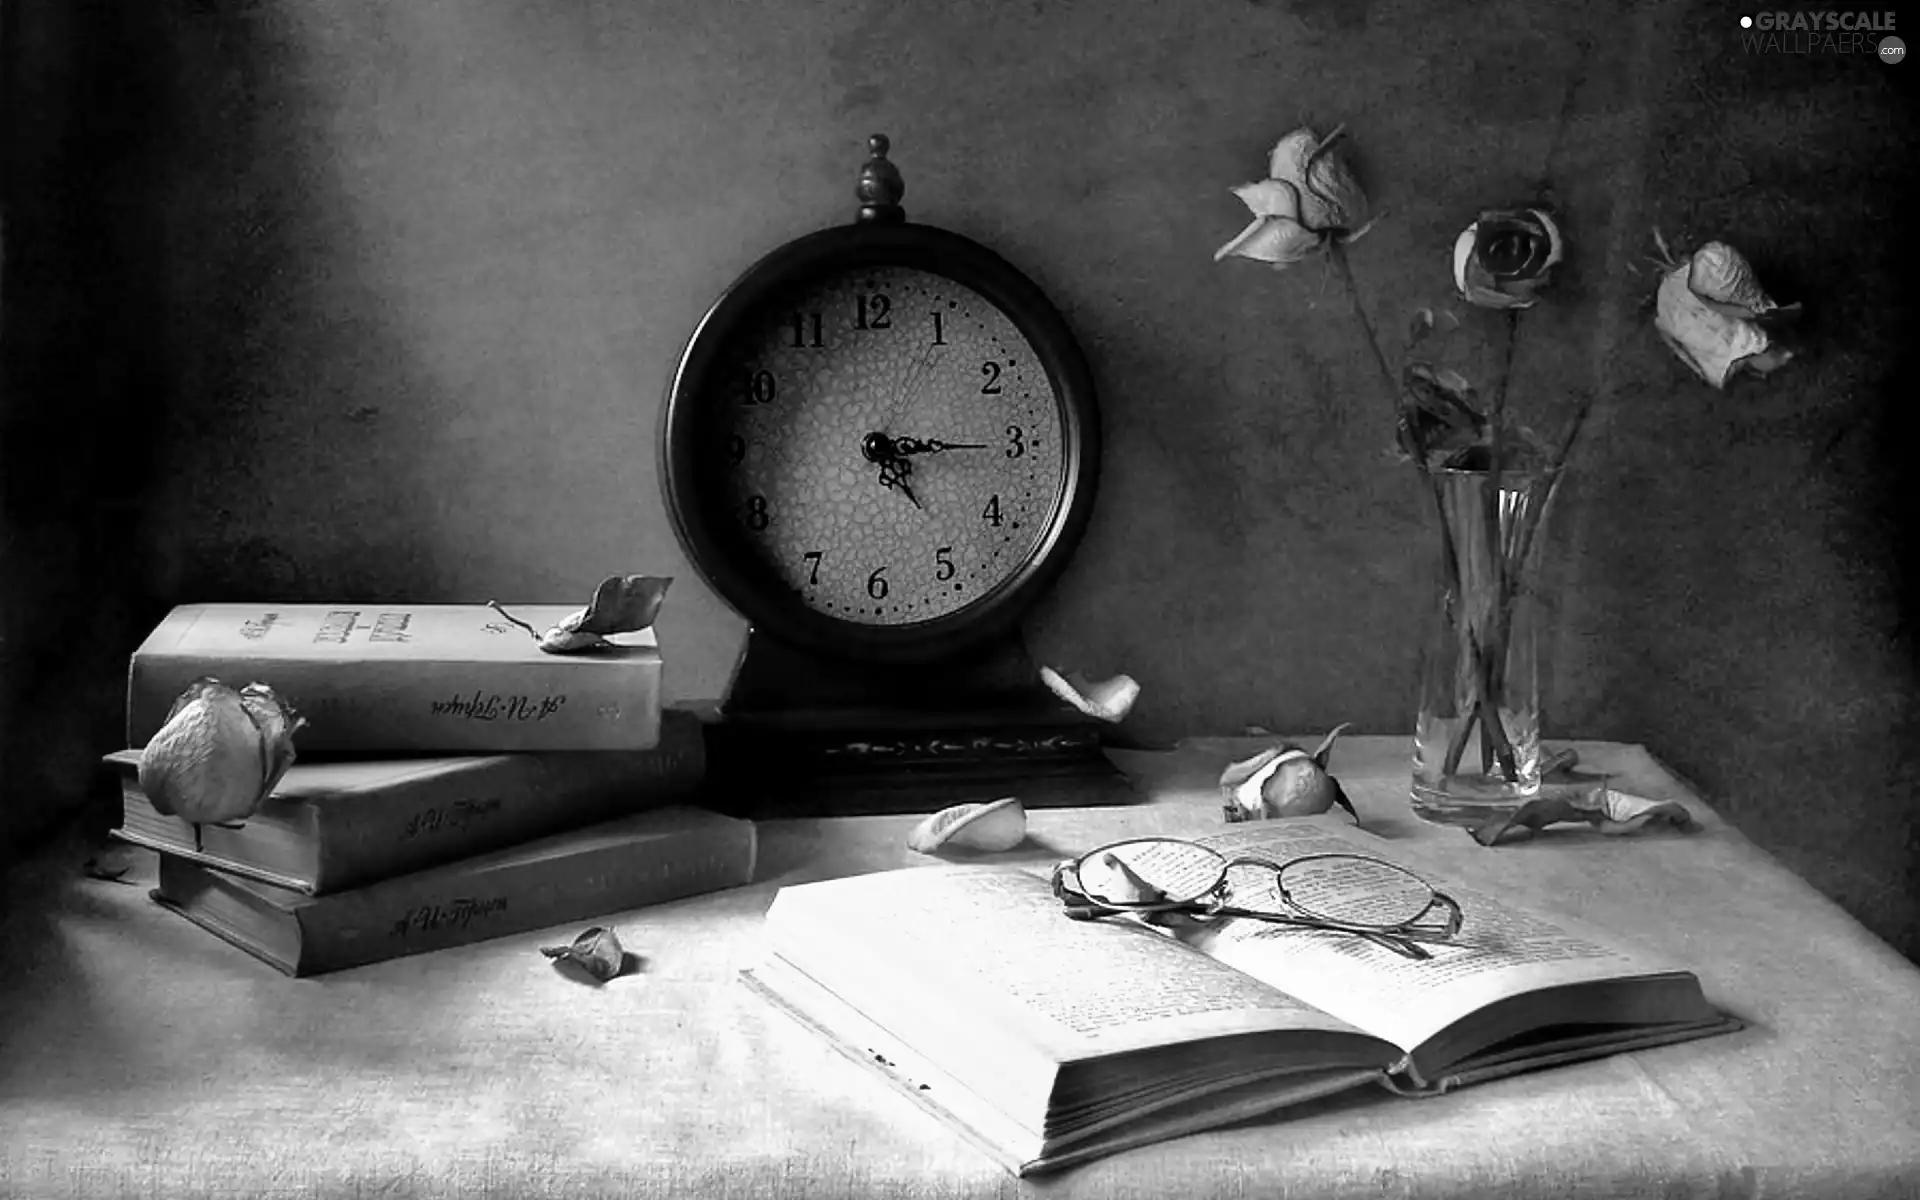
<point>140,1056</point>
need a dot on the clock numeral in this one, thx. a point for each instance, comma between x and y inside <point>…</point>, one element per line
<point>758,517</point>
<point>758,387</point>
<point>991,513</point>
<point>991,370</point>
<point>877,583</point>
<point>813,558</point>
<point>939,329</point>
<point>1016,441</point>
<point>736,449</point>
<point>944,568</point>
<point>801,324</point>
<point>873,312</point>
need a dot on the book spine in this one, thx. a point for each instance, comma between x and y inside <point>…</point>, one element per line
<point>421,913</point>
<point>570,703</point>
<point>438,819</point>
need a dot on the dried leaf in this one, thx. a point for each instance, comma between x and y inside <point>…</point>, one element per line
<point>1609,810</point>
<point>596,951</point>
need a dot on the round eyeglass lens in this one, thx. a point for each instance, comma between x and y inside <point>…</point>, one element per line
<point>1150,871</point>
<point>1353,890</point>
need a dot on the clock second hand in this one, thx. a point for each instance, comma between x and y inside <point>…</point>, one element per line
<point>909,385</point>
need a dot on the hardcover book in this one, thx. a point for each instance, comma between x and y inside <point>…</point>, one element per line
<point>1049,1041</point>
<point>332,825</point>
<point>422,678</point>
<point>647,858</point>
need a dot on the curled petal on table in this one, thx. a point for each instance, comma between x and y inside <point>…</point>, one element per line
<point>1284,781</point>
<point>596,951</point>
<point>997,825</point>
<point>1609,810</point>
<point>1107,700</point>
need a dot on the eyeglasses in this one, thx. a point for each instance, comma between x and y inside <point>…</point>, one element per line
<point>1347,893</point>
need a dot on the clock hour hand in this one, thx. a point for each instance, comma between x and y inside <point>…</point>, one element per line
<point>893,474</point>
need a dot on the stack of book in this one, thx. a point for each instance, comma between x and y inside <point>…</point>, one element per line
<point>454,782</point>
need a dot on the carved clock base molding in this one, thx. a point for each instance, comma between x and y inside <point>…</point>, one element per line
<point>793,739</point>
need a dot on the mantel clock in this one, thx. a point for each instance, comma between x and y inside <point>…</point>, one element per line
<point>880,446</point>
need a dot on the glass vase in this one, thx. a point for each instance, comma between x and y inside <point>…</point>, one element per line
<point>1476,739</point>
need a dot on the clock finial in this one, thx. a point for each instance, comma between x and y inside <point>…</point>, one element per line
<point>880,186</point>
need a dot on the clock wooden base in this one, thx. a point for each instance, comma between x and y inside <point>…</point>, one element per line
<point>800,737</point>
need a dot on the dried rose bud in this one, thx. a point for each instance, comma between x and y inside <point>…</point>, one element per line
<point>1284,781</point>
<point>1708,311</point>
<point>1308,196</point>
<point>220,752</point>
<point>596,951</point>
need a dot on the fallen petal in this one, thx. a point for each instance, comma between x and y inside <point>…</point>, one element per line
<point>1113,880</point>
<point>1623,812</point>
<point>625,604</point>
<point>1104,699</point>
<point>1607,809</point>
<point>993,826</point>
<point>596,951</point>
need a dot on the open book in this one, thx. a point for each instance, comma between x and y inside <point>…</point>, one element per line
<point>1051,1041</point>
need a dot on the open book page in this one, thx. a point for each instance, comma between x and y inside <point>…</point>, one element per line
<point>1500,951</point>
<point>1018,1145</point>
<point>992,944</point>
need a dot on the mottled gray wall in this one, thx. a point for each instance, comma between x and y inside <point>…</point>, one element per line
<point>353,299</point>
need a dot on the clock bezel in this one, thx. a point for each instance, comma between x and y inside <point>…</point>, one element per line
<point>707,533</point>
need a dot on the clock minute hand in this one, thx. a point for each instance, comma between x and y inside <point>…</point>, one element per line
<point>914,445</point>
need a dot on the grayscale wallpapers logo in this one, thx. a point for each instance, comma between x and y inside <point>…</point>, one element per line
<point>1823,31</point>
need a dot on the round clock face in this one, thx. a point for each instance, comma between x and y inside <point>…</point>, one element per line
<point>892,442</point>
<point>879,449</point>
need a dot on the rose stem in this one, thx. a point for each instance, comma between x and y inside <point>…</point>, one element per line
<point>1337,251</point>
<point>1490,654</point>
<point>531,631</point>
<point>1524,548</point>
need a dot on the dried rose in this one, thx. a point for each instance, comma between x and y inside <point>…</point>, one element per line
<point>1438,411</point>
<point>220,752</point>
<point>596,951</point>
<point>1506,256</point>
<point>1284,781</point>
<point>1712,313</point>
<point>621,604</point>
<point>1309,195</point>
